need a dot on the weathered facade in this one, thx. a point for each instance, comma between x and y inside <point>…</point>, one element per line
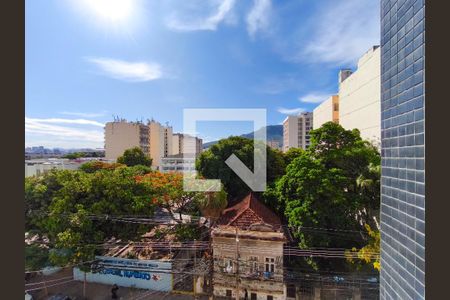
<point>247,247</point>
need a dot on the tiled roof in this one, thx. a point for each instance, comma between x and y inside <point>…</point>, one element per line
<point>249,211</point>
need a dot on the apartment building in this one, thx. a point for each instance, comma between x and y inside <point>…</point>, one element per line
<point>186,144</point>
<point>327,111</point>
<point>402,273</point>
<point>121,135</point>
<point>154,139</point>
<point>296,131</point>
<point>359,96</point>
<point>247,244</point>
<point>160,142</point>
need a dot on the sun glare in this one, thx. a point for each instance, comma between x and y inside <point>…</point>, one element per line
<point>111,10</point>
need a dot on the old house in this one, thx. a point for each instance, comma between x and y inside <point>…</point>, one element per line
<point>247,243</point>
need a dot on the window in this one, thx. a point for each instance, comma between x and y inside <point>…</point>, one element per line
<point>253,264</point>
<point>290,291</point>
<point>229,294</point>
<point>335,106</point>
<point>269,297</point>
<point>253,296</point>
<point>270,264</point>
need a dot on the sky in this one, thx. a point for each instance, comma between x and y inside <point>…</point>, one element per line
<point>87,61</point>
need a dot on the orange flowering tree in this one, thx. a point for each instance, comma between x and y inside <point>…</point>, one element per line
<point>167,192</point>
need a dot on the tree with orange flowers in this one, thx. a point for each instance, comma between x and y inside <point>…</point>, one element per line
<point>168,193</point>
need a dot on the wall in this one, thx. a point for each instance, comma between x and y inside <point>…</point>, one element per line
<point>36,169</point>
<point>325,113</point>
<point>120,136</point>
<point>224,248</point>
<point>403,145</point>
<point>290,133</point>
<point>119,272</point>
<point>156,143</point>
<point>359,97</point>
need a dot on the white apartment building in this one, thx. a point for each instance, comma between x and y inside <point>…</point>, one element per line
<point>186,144</point>
<point>360,96</point>
<point>121,135</point>
<point>327,111</point>
<point>296,131</point>
<point>178,163</point>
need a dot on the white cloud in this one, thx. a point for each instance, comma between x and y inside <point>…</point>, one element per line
<point>342,32</point>
<point>83,114</point>
<point>258,19</point>
<point>314,98</point>
<point>290,111</point>
<point>217,13</point>
<point>82,133</point>
<point>65,121</point>
<point>127,71</point>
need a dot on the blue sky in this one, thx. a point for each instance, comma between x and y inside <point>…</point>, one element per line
<point>87,60</point>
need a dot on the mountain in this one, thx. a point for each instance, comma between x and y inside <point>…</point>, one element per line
<point>274,133</point>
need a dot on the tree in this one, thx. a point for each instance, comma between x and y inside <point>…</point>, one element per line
<point>168,192</point>
<point>211,163</point>
<point>93,166</point>
<point>134,156</point>
<point>36,257</point>
<point>70,208</point>
<point>333,184</point>
<point>291,154</point>
<point>367,253</point>
<point>213,204</point>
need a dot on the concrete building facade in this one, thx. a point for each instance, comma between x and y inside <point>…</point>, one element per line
<point>178,163</point>
<point>186,144</point>
<point>122,135</point>
<point>160,142</point>
<point>296,131</point>
<point>402,149</point>
<point>327,111</point>
<point>359,97</point>
<point>154,139</point>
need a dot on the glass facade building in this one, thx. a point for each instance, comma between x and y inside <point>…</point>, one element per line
<point>403,149</point>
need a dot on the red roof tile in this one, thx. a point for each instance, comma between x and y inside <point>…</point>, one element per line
<point>247,212</point>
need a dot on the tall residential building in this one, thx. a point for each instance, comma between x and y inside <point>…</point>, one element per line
<point>327,111</point>
<point>403,149</point>
<point>160,142</point>
<point>122,135</point>
<point>359,96</point>
<point>186,144</point>
<point>296,131</point>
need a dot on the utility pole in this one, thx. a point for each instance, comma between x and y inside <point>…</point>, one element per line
<point>84,285</point>
<point>195,269</point>
<point>46,290</point>
<point>237,264</point>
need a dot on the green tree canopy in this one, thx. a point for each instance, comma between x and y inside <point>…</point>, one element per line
<point>134,156</point>
<point>62,205</point>
<point>333,184</point>
<point>211,163</point>
<point>291,154</point>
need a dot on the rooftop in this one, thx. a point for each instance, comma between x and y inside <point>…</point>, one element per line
<point>249,212</point>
